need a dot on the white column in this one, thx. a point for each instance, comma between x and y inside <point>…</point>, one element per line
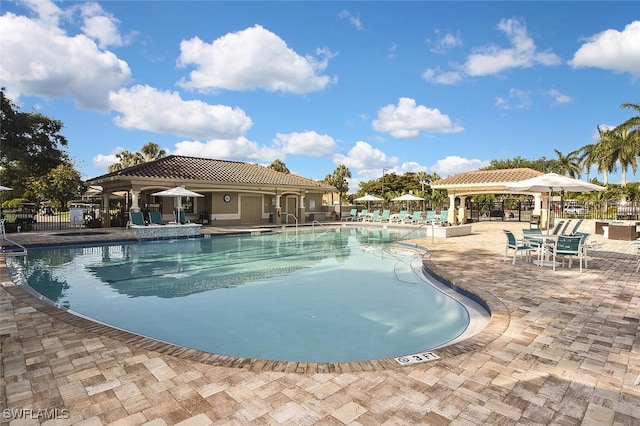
<point>451,212</point>
<point>134,200</point>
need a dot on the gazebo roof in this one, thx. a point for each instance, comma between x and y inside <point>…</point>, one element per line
<point>484,181</point>
<point>500,176</point>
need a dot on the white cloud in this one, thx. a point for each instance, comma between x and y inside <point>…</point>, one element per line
<point>523,53</point>
<point>365,157</point>
<point>240,149</point>
<point>102,161</point>
<point>354,20</point>
<point>40,59</point>
<point>491,60</point>
<point>306,143</point>
<point>250,59</point>
<point>448,77</point>
<point>517,99</point>
<point>559,98</point>
<point>445,42</point>
<point>146,108</point>
<point>453,165</point>
<point>100,26</point>
<point>407,120</point>
<point>618,51</point>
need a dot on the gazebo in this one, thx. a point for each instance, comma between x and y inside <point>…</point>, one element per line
<point>487,182</point>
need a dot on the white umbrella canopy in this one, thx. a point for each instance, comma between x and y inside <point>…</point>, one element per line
<point>368,198</point>
<point>550,182</point>
<point>407,197</point>
<point>178,192</point>
<point>5,188</point>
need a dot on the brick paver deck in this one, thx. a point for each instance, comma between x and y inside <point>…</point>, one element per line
<point>562,348</point>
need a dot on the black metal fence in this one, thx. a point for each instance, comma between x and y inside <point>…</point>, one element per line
<point>521,211</point>
<point>57,221</point>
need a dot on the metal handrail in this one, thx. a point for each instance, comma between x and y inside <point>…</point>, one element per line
<point>294,217</point>
<point>22,252</point>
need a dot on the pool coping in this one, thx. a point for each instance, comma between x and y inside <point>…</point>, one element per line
<point>498,323</point>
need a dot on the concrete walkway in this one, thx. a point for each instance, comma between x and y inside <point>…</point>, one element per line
<point>562,348</point>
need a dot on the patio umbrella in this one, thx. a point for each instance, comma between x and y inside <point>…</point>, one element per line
<point>550,182</point>
<point>5,188</point>
<point>407,198</point>
<point>178,192</point>
<point>368,198</point>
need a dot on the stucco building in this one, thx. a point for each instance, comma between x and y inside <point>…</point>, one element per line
<point>234,193</point>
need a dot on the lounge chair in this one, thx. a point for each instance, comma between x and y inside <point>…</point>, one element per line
<point>353,215</point>
<point>363,215</point>
<point>384,217</point>
<point>442,218</point>
<point>180,216</point>
<point>518,246</point>
<point>399,217</point>
<point>574,230</point>
<point>155,218</point>
<point>558,227</point>
<point>428,216</point>
<point>415,217</point>
<point>563,230</point>
<point>373,217</point>
<point>136,218</point>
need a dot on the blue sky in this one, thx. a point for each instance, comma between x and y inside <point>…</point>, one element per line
<point>440,87</point>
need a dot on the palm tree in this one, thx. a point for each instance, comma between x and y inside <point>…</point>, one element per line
<point>569,164</point>
<point>126,159</point>
<point>625,148</point>
<point>278,166</point>
<point>339,180</point>
<point>151,151</point>
<point>605,155</point>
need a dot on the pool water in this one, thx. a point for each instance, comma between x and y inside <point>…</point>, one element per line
<point>330,295</point>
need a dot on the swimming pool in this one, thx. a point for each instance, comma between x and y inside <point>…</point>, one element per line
<point>327,295</point>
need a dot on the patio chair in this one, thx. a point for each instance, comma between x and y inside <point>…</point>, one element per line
<point>136,218</point>
<point>535,238</point>
<point>518,246</point>
<point>353,215</point>
<point>384,217</point>
<point>415,217</point>
<point>155,218</point>
<point>568,247</point>
<point>400,217</point>
<point>180,217</point>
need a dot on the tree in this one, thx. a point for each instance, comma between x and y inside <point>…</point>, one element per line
<point>149,152</point>
<point>278,166</point>
<point>61,185</point>
<point>339,181</point>
<point>31,145</point>
<point>569,164</point>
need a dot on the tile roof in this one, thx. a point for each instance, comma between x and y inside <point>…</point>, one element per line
<point>210,170</point>
<point>487,177</point>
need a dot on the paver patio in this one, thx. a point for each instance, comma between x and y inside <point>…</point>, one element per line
<point>562,348</point>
